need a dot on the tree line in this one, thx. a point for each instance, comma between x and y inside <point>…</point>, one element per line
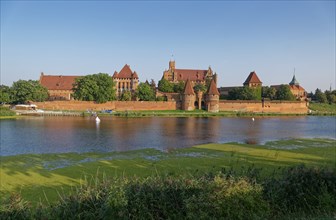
<point>95,87</point>
<point>283,92</point>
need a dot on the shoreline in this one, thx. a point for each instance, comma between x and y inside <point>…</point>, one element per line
<point>177,113</point>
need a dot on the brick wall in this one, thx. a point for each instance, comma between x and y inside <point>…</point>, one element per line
<point>116,105</point>
<point>268,107</point>
<point>224,105</point>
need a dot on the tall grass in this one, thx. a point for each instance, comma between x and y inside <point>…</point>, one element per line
<point>299,192</point>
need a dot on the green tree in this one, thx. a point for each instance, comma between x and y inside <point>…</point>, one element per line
<point>179,87</point>
<point>331,96</point>
<point>269,92</point>
<point>245,93</point>
<point>284,93</point>
<point>145,92</point>
<point>96,87</point>
<point>165,86</point>
<point>320,96</point>
<point>126,96</point>
<point>153,84</point>
<point>5,94</point>
<point>200,87</point>
<point>29,90</point>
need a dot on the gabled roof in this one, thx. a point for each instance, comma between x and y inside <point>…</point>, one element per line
<point>188,89</point>
<point>115,74</point>
<point>58,82</point>
<point>193,75</point>
<point>125,72</point>
<point>294,81</point>
<point>252,78</point>
<point>213,88</point>
<point>135,75</point>
<point>296,87</point>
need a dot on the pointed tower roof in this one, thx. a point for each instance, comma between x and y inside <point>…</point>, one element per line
<point>294,81</point>
<point>188,89</point>
<point>125,72</point>
<point>115,74</point>
<point>135,75</point>
<point>252,78</point>
<point>213,88</point>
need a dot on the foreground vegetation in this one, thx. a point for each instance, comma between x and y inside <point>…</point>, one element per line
<point>5,112</point>
<point>299,192</point>
<point>232,180</point>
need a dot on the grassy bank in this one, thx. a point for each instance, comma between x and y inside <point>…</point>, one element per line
<point>184,183</point>
<point>42,177</point>
<point>322,108</point>
<point>6,113</point>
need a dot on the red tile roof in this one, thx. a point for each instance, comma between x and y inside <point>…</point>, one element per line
<point>193,75</point>
<point>58,82</point>
<point>252,78</point>
<point>125,73</point>
<point>213,88</point>
<point>115,74</point>
<point>292,87</point>
<point>135,75</point>
<point>188,89</point>
<point>297,87</point>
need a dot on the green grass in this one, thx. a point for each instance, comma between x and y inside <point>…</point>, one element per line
<point>44,177</point>
<point>322,108</point>
<point>5,112</point>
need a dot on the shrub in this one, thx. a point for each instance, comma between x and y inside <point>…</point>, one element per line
<point>15,208</point>
<point>299,192</point>
<point>302,189</point>
<point>5,111</point>
<point>229,198</point>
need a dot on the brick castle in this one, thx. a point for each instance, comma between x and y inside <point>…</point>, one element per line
<point>60,87</point>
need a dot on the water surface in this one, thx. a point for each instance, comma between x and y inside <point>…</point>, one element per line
<point>78,134</point>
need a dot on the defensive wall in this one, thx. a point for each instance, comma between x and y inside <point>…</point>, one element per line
<point>285,107</point>
<point>289,107</point>
<point>115,105</point>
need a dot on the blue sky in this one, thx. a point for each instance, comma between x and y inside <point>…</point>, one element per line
<point>234,38</point>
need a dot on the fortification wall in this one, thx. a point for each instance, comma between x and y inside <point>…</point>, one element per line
<point>224,105</point>
<point>288,107</point>
<point>115,105</point>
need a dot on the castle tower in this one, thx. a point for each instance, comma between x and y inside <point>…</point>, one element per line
<point>294,81</point>
<point>253,80</point>
<point>213,97</point>
<point>172,65</point>
<point>188,97</point>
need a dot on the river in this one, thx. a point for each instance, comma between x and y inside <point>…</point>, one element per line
<point>39,135</point>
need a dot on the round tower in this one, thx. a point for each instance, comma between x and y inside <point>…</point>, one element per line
<point>213,97</point>
<point>188,97</point>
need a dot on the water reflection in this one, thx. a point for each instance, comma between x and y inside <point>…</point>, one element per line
<point>65,134</point>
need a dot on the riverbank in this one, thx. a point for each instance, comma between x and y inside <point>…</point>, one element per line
<point>98,185</point>
<point>6,113</point>
<point>322,109</point>
<point>41,178</point>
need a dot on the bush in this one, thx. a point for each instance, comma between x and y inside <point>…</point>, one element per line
<point>302,190</point>
<point>5,111</point>
<point>15,208</point>
<point>229,199</point>
<point>161,98</point>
